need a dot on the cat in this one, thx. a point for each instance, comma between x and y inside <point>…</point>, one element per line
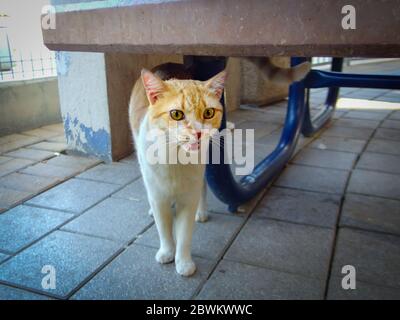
<point>167,99</point>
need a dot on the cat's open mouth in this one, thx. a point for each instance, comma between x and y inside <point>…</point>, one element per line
<point>191,147</point>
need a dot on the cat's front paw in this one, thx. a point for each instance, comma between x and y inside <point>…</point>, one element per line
<point>185,267</point>
<point>165,256</point>
<point>201,216</point>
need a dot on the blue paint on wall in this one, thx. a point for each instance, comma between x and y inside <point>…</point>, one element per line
<point>63,60</point>
<point>92,142</point>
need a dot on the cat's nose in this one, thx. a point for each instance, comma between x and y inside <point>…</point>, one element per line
<point>198,133</point>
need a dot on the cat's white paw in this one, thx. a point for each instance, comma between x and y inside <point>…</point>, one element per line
<point>150,212</point>
<point>201,216</point>
<point>165,256</point>
<point>185,267</point>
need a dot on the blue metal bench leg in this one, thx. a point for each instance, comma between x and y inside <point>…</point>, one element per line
<point>219,176</point>
<point>312,125</point>
<point>298,118</point>
<point>335,80</point>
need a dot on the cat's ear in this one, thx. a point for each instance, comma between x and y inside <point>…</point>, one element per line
<point>153,85</point>
<point>217,83</point>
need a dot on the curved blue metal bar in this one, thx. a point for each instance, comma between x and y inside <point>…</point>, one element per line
<point>322,79</point>
<point>220,177</point>
<point>334,80</point>
<point>312,125</point>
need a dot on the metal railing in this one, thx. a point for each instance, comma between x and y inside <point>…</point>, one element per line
<point>27,66</point>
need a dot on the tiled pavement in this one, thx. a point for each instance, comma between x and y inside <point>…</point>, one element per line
<point>337,203</point>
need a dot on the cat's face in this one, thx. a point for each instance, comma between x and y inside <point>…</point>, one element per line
<point>188,111</point>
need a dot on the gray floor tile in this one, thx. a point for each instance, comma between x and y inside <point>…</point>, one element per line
<point>50,146</point>
<point>326,159</point>
<point>10,293</point>
<point>379,162</point>
<point>14,165</point>
<point>74,257</point>
<point>375,184</point>
<point>57,127</point>
<point>12,138</point>
<point>46,170</point>
<point>58,139</point>
<point>371,213</point>
<point>10,146</point>
<point>391,124</point>
<point>215,205</point>
<point>269,139</point>
<point>209,238</point>
<point>10,197</point>
<point>389,98</point>
<point>261,128</point>
<point>134,191</point>
<point>375,256</point>
<point>362,94</point>
<point>261,114</point>
<point>117,173</point>
<point>338,144</point>
<point>40,133</point>
<point>4,159</point>
<point>23,225</point>
<point>363,291</point>
<point>368,115</point>
<point>31,154</point>
<point>346,132</point>
<point>339,114</point>
<point>388,134</point>
<point>237,281</point>
<point>313,179</point>
<point>299,206</point>
<point>79,163</point>
<point>395,115</point>
<point>27,182</point>
<point>293,248</point>
<point>357,123</point>
<point>384,146</point>
<point>74,195</point>
<point>114,219</point>
<point>135,274</point>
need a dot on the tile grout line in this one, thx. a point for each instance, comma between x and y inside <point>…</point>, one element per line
<point>58,228</point>
<point>337,225</point>
<point>240,228</point>
<point>118,253</point>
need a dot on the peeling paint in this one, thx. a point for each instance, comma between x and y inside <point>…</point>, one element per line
<point>87,140</point>
<point>63,62</point>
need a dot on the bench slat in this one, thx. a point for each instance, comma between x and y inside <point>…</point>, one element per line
<point>229,28</point>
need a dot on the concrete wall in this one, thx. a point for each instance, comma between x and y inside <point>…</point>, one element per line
<point>28,104</point>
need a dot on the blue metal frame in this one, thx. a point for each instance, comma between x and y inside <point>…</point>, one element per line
<point>298,119</point>
<point>313,125</point>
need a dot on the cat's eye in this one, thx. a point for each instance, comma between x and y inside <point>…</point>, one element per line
<point>208,113</point>
<point>177,115</point>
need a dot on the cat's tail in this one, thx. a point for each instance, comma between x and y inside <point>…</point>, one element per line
<point>278,74</point>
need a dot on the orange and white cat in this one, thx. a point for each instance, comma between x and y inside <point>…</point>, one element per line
<point>167,100</point>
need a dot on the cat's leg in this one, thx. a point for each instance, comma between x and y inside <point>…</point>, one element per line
<point>184,223</point>
<point>201,214</point>
<point>163,218</point>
